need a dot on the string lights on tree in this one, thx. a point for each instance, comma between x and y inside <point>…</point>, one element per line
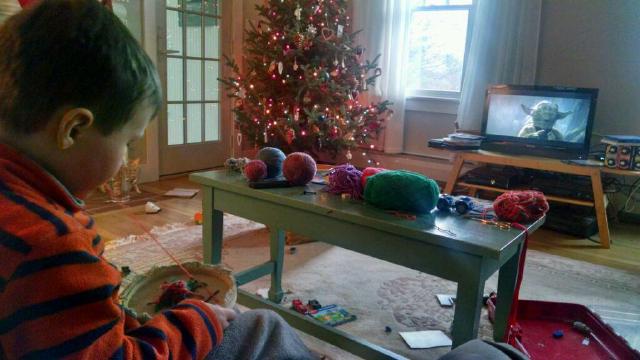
<point>302,80</point>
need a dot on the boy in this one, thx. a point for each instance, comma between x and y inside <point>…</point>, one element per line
<point>75,90</point>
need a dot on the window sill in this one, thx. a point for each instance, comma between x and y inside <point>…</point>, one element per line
<point>433,104</point>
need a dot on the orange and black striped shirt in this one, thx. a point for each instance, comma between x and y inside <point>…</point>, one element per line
<point>59,296</point>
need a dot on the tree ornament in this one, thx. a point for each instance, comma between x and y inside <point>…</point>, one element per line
<point>348,155</point>
<point>322,118</point>
<point>280,67</point>
<point>298,12</point>
<point>299,40</point>
<point>306,99</point>
<point>272,66</point>
<point>340,30</point>
<point>291,135</point>
<point>295,64</point>
<point>312,30</point>
<point>327,34</point>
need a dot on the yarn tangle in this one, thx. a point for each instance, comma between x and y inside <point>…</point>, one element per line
<point>345,179</point>
<point>521,206</point>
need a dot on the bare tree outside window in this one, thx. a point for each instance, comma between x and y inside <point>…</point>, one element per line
<point>437,42</point>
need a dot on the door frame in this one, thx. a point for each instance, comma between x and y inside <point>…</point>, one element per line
<point>226,117</point>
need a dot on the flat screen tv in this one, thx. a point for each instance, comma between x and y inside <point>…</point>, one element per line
<point>547,121</point>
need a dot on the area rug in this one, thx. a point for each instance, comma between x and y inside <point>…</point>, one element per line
<point>380,293</point>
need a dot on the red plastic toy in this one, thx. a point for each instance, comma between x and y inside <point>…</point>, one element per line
<point>532,325</point>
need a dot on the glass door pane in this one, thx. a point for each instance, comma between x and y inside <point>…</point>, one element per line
<point>175,124</point>
<point>211,122</point>
<point>211,37</point>
<point>174,32</point>
<point>194,123</point>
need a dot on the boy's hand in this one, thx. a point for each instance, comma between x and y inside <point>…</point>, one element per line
<point>224,315</point>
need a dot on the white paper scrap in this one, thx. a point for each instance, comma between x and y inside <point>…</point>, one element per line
<point>446,300</point>
<point>425,339</point>
<point>181,192</point>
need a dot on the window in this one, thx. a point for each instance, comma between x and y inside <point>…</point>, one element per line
<point>437,40</point>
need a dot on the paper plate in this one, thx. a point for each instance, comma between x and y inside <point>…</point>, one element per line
<point>144,289</point>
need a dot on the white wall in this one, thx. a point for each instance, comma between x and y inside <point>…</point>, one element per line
<point>596,44</point>
<point>8,8</point>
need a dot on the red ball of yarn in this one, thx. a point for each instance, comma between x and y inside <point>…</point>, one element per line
<point>520,206</point>
<point>255,170</point>
<point>299,168</point>
<point>369,172</point>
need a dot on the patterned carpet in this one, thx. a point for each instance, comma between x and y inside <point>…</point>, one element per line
<point>383,294</point>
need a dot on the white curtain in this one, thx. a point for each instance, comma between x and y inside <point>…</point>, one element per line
<point>384,25</point>
<point>8,8</point>
<point>503,50</point>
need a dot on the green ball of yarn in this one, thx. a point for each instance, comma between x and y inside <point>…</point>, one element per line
<point>402,190</point>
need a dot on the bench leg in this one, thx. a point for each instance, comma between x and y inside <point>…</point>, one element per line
<point>277,257</point>
<point>466,318</point>
<point>601,209</point>
<point>507,278</point>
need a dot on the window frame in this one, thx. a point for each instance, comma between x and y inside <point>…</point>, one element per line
<point>444,94</point>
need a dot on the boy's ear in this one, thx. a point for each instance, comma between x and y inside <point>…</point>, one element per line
<point>71,125</point>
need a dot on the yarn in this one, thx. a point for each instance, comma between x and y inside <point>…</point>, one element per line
<point>299,168</point>
<point>369,172</point>
<point>345,179</point>
<point>255,170</point>
<point>521,206</point>
<point>273,158</point>
<point>171,293</point>
<point>402,190</point>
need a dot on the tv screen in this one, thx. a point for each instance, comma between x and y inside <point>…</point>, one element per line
<point>556,121</point>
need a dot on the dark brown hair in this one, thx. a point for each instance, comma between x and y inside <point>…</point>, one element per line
<point>73,53</point>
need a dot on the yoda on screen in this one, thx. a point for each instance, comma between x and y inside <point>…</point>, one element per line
<point>540,121</point>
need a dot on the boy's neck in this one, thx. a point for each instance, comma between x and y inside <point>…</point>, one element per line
<point>36,146</point>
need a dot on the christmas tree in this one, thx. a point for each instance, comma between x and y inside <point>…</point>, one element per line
<point>304,74</point>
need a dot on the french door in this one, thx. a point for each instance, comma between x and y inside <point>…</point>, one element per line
<point>193,135</point>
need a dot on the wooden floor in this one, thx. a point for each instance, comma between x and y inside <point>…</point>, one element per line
<point>624,252</point>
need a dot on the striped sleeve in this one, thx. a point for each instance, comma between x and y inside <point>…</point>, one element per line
<point>59,299</point>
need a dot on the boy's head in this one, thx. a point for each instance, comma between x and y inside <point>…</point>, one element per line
<point>76,89</point>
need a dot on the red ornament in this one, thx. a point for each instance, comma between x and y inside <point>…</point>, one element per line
<point>291,135</point>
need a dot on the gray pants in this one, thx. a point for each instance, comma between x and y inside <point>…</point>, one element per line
<point>260,334</point>
<point>481,350</point>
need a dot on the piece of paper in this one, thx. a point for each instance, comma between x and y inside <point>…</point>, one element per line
<point>181,192</point>
<point>446,300</point>
<point>425,339</point>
